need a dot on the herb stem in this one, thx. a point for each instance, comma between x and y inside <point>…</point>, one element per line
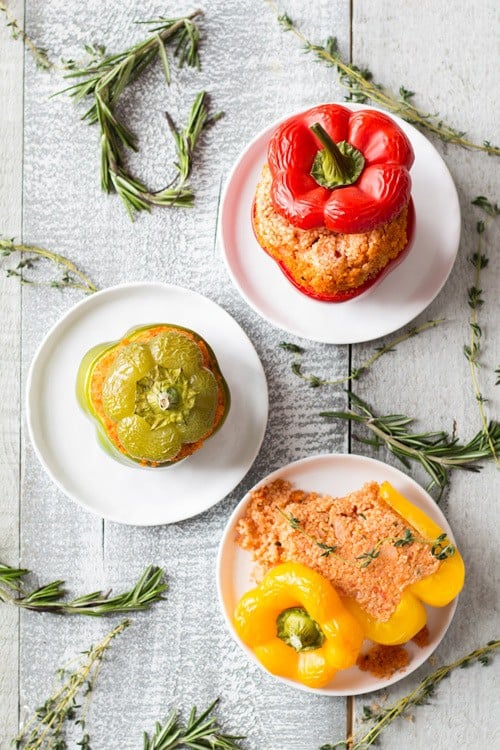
<point>39,54</point>
<point>103,81</point>
<point>479,261</point>
<point>148,589</point>
<point>417,697</point>
<point>73,278</point>
<point>314,381</point>
<point>361,87</point>
<point>45,727</point>
<point>436,451</point>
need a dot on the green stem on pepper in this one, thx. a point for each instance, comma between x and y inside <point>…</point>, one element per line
<point>337,164</point>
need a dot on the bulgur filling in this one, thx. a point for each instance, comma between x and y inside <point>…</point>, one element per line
<point>320,260</point>
<point>353,524</point>
<point>383,661</point>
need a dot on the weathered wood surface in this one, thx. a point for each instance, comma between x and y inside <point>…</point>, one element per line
<point>180,653</point>
<point>421,45</point>
<point>11,162</point>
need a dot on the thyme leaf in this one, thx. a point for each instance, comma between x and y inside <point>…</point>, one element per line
<point>148,589</point>
<point>70,276</point>
<point>472,350</point>
<point>315,381</point>
<point>362,88</point>
<point>382,718</point>
<point>39,54</point>
<point>436,451</point>
<point>199,732</point>
<point>441,547</point>
<point>69,701</point>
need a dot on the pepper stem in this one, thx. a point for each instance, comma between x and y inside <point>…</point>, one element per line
<point>296,628</point>
<point>337,164</point>
<point>334,158</point>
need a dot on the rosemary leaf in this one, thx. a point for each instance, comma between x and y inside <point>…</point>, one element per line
<point>148,589</point>
<point>70,278</point>
<point>102,82</point>
<point>68,703</point>
<point>382,718</point>
<point>437,452</point>
<point>362,88</point>
<point>199,732</point>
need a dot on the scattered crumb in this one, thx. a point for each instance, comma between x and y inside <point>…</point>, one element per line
<point>421,639</point>
<point>383,661</point>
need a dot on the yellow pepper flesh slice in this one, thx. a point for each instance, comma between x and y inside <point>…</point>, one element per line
<point>440,588</point>
<point>407,619</point>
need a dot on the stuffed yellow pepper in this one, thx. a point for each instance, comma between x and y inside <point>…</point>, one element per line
<point>436,590</point>
<point>297,626</point>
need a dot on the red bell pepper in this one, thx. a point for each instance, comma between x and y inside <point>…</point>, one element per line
<point>344,170</point>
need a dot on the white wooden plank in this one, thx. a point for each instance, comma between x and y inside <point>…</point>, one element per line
<point>423,47</point>
<point>180,652</point>
<point>11,144</point>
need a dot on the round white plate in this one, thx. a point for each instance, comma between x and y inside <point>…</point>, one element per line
<point>65,438</point>
<point>334,474</point>
<point>389,304</point>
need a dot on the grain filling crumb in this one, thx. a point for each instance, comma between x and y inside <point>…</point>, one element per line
<point>353,524</point>
<point>325,262</point>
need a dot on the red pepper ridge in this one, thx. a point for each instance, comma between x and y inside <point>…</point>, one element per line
<point>377,196</point>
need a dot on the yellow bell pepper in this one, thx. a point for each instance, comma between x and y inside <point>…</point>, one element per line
<point>436,590</point>
<point>296,625</point>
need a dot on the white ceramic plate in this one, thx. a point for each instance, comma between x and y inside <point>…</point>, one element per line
<point>65,438</point>
<point>334,474</point>
<point>402,295</point>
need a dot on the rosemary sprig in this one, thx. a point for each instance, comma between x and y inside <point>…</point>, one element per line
<point>40,55</point>
<point>441,547</point>
<point>71,277</point>
<point>315,381</point>
<point>479,260</point>
<point>148,589</point>
<point>426,689</point>
<point>437,452</point>
<point>103,81</point>
<point>200,732</point>
<point>361,88</point>
<point>45,729</point>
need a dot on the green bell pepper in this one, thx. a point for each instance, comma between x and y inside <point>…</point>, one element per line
<point>156,395</point>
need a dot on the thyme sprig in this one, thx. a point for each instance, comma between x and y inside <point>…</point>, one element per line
<point>361,88</point>
<point>103,81</point>
<point>39,54</point>
<point>199,732</point>
<point>315,381</point>
<point>45,729</point>
<point>441,547</point>
<point>295,523</point>
<point>437,452</point>
<point>70,277</point>
<point>479,260</point>
<point>383,717</point>
<point>50,597</point>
